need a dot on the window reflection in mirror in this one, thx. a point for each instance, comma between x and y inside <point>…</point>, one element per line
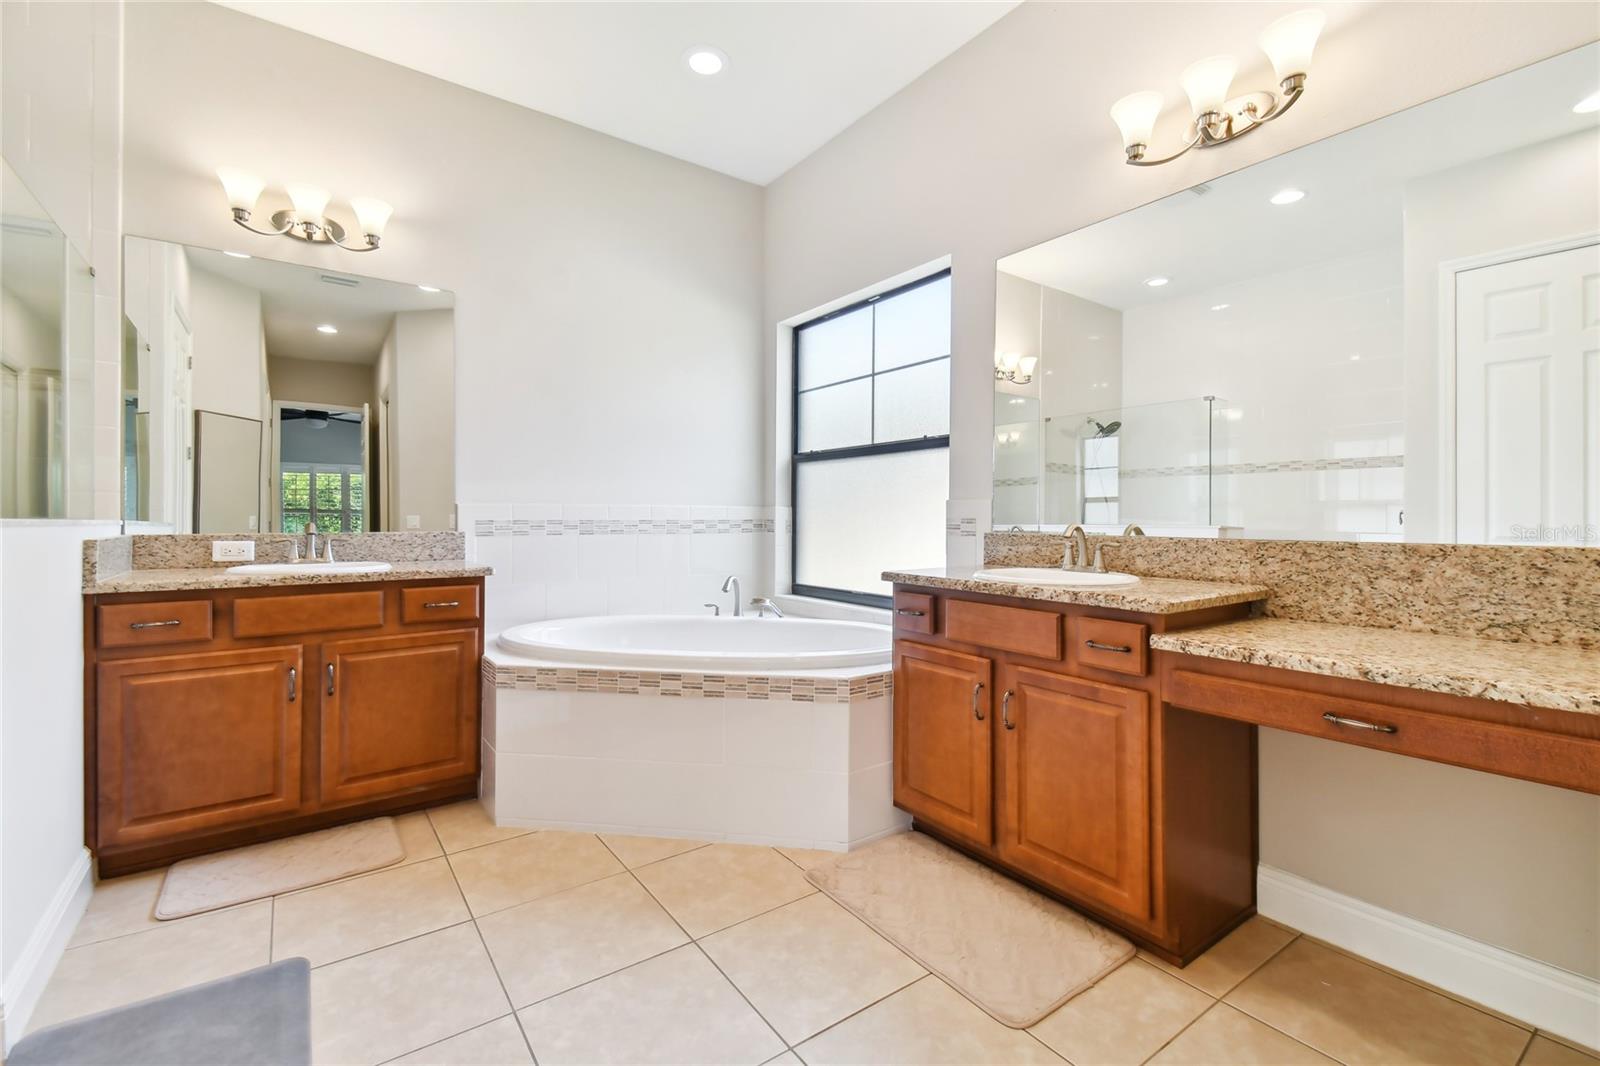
<point>269,395</point>
<point>1391,334</point>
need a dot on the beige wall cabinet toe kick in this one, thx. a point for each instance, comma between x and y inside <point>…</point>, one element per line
<point>223,717</point>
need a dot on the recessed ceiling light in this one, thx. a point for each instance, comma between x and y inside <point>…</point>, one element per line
<point>1157,281</point>
<point>1355,357</point>
<point>238,255</point>
<point>706,61</point>
<point>1288,196</point>
<point>427,288</point>
<point>1220,307</point>
<point>1588,105</point>
<point>325,328</point>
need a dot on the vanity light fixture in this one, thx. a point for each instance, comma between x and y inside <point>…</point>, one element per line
<point>1284,197</point>
<point>326,328</point>
<point>1014,367</point>
<point>307,218</point>
<point>1218,119</point>
<point>1588,105</point>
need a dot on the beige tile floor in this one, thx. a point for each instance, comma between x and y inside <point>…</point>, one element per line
<point>492,945</point>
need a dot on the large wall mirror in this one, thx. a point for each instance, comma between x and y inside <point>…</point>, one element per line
<point>264,396</point>
<point>1391,334</point>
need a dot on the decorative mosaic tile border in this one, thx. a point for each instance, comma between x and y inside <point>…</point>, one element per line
<point>686,685</point>
<point>603,527</point>
<point>1362,462</point>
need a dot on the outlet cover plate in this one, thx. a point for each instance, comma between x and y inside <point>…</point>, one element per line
<point>233,551</point>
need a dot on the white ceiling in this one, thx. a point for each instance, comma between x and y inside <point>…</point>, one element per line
<point>1354,185</point>
<point>798,73</point>
<point>296,299</point>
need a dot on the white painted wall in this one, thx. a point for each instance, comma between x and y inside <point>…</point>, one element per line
<point>966,162</point>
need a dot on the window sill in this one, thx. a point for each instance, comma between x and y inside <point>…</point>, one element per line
<point>812,607</point>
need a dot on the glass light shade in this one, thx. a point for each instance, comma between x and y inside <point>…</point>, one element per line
<point>310,203</point>
<point>371,215</point>
<point>1207,83</point>
<point>1135,115</point>
<point>242,189</point>
<point>1027,364</point>
<point>1010,360</point>
<point>1290,41</point>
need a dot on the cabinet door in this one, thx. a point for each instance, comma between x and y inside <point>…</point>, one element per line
<point>1076,805</point>
<point>200,741</point>
<point>398,712</point>
<point>942,770</point>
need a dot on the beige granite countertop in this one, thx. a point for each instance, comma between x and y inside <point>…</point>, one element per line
<point>1539,675</point>
<point>1152,595</point>
<point>182,579</point>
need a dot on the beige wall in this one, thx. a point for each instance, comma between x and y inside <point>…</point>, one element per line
<point>228,375</point>
<point>345,384</point>
<point>1006,144</point>
<point>424,403</point>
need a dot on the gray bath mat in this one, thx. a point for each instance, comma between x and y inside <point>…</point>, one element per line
<point>261,1017</point>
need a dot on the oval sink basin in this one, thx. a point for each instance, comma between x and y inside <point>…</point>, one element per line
<point>1052,575</point>
<point>311,568</point>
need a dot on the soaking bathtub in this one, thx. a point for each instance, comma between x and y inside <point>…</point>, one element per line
<point>749,730</point>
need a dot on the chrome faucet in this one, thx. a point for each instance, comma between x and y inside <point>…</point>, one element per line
<point>763,605</point>
<point>733,583</point>
<point>1075,556</point>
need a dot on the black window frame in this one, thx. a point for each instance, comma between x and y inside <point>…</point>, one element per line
<point>797,457</point>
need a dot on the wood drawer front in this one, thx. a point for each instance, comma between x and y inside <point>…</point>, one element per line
<point>1036,633</point>
<point>1515,751</point>
<point>913,613</point>
<point>1107,644</point>
<point>439,603</point>
<point>136,625</point>
<point>307,612</point>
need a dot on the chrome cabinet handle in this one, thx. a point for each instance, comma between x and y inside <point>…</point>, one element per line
<point>977,711</point>
<point>1356,723</point>
<point>1097,646</point>
<point>155,625</point>
<point>330,679</point>
<point>442,603</point>
<point>909,612</point>
<point>1005,710</point>
<point>293,690</point>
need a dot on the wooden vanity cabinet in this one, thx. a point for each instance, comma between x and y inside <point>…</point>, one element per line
<point>272,711</point>
<point>1045,750</point>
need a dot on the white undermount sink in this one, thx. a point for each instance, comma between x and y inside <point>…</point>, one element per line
<point>310,568</point>
<point>1054,575</point>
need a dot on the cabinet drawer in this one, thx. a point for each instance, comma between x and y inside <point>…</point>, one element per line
<point>1107,644</point>
<point>308,612</point>
<point>1036,633</point>
<point>136,625</point>
<point>913,613</point>
<point>1512,750</point>
<point>439,603</point>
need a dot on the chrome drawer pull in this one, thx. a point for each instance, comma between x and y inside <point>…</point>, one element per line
<point>1005,710</point>
<point>1097,646</point>
<point>330,679</point>
<point>438,603</point>
<point>977,711</point>
<point>155,625</point>
<point>292,687</point>
<point>1356,723</point>
<point>909,612</point>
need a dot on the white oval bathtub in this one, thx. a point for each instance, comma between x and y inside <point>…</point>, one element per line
<point>701,645</point>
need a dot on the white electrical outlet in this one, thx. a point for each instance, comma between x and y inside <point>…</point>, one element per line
<point>233,551</point>
<point>413,521</point>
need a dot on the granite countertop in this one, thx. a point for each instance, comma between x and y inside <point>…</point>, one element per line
<point>182,579</point>
<point>1152,595</point>
<point>1539,675</point>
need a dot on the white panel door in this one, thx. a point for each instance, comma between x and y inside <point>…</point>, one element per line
<point>1528,400</point>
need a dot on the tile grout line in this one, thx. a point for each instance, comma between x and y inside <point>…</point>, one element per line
<point>452,1036</point>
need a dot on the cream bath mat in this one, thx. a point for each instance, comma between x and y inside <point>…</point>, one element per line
<point>277,866</point>
<point>1015,953</point>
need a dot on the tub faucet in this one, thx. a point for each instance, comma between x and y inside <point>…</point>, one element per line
<point>763,605</point>
<point>733,583</point>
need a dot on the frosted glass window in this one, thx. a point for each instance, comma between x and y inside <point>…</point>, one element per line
<point>835,349</point>
<point>855,518</point>
<point>836,416</point>
<point>912,403</point>
<point>913,326</point>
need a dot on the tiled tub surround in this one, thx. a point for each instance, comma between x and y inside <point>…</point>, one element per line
<point>796,760</point>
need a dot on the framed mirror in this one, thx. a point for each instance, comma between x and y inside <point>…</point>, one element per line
<point>1390,334</point>
<point>261,395</point>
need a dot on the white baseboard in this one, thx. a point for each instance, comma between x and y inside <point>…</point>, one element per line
<point>21,989</point>
<point>1534,992</point>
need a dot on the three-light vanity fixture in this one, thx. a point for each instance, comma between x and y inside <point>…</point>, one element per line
<point>1014,367</point>
<point>306,219</point>
<point>1288,43</point>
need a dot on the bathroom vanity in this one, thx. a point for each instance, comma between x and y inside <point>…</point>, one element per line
<point>222,710</point>
<point>1100,744</point>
